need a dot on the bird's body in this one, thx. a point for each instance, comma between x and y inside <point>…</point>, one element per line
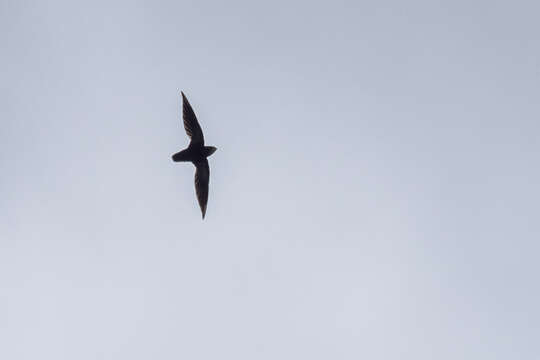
<point>196,153</point>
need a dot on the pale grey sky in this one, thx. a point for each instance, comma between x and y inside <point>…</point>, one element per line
<point>374,194</point>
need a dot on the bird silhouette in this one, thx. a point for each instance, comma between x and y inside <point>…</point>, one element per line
<point>196,153</point>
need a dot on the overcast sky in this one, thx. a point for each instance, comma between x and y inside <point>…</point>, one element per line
<point>374,194</point>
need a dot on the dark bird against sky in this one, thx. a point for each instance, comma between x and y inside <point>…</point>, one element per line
<point>197,153</point>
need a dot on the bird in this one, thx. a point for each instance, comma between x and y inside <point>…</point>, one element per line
<point>196,153</point>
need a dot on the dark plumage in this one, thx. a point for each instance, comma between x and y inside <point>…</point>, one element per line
<point>197,153</point>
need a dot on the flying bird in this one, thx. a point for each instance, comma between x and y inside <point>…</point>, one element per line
<point>196,153</point>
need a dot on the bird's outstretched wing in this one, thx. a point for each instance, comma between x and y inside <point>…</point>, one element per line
<point>193,129</point>
<point>202,178</point>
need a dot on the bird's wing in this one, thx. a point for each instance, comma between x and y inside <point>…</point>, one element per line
<point>193,129</point>
<point>202,178</point>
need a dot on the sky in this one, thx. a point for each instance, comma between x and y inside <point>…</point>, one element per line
<point>374,193</point>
